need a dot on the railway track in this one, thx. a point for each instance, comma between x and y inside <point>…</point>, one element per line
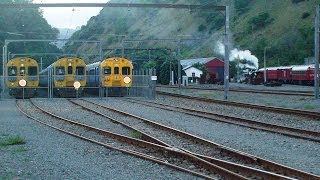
<point>289,131</point>
<point>298,112</point>
<point>277,92</point>
<point>233,160</point>
<point>169,156</point>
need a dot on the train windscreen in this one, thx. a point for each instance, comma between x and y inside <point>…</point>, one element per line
<point>107,70</point>
<point>125,70</point>
<point>12,71</point>
<point>79,70</point>
<point>32,71</point>
<point>60,70</point>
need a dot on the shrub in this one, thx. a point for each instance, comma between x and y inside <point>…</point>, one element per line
<point>260,21</point>
<point>305,15</point>
<point>202,28</point>
<point>296,1</point>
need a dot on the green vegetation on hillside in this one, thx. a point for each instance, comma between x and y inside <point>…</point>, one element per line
<point>26,23</point>
<point>284,27</point>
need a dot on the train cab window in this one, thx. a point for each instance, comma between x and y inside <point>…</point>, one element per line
<point>125,70</point>
<point>69,69</point>
<point>12,71</point>
<point>79,70</point>
<point>22,71</point>
<point>116,70</point>
<point>32,71</point>
<point>91,72</point>
<point>107,70</point>
<point>60,70</point>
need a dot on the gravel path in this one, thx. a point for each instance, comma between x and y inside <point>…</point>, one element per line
<point>49,154</point>
<point>296,153</point>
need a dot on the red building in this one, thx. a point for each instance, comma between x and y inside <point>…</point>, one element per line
<point>216,69</point>
<point>214,65</point>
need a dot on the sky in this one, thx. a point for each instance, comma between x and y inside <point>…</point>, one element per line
<point>69,17</point>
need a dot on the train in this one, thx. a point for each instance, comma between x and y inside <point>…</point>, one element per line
<point>295,74</point>
<point>22,77</point>
<point>66,73</point>
<point>113,75</point>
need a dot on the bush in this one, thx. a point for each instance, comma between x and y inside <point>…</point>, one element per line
<point>260,21</point>
<point>202,28</point>
<point>296,1</point>
<point>305,15</point>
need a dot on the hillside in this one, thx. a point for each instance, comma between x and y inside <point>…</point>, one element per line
<point>26,24</point>
<point>286,26</point>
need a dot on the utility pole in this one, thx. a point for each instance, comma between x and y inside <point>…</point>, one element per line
<point>179,66</point>
<point>265,64</point>
<point>226,55</point>
<point>316,54</point>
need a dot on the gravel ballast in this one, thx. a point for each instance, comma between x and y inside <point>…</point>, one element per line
<point>49,154</point>
<point>286,101</point>
<point>296,153</point>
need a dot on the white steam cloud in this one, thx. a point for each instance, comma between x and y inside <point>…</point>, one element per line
<point>252,61</point>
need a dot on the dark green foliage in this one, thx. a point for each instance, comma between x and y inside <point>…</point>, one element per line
<point>202,28</point>
<point>26,24</point>
<point>260,21</point>
<point>242,6</point>
<point>305,15</point>
<point>296,1</point>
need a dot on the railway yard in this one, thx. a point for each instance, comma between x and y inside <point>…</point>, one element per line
<point>169,137</point>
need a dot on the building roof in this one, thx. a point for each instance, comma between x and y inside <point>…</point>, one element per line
<point>190,66</point>
<point>189,62</point>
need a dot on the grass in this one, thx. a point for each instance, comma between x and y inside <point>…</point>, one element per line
<point>308,106</point>
<point>136,135</point>
<point>20,150</point>
<point>12,140</point>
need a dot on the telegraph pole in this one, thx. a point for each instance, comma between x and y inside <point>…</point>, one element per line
<point>316,54</point>
<point>226,55</point>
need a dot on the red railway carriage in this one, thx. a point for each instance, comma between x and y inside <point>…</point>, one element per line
<point>285,74</point>
<point>280,74</point>
<point>303,74</point>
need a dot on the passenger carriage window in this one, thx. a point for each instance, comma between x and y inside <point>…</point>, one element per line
<point>12,71</point>
<point>116,70</point>
<point>79,70</point>
<point>69,69</point>
<point>32,71</point>
<point>125,70</point>
<point>107,70</point>
<point>22,71</point>
<point>60,70</point>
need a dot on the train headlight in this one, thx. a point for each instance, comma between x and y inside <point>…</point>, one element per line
<point>22,83</point>
<point>76,85</point>
<point>127,80</point>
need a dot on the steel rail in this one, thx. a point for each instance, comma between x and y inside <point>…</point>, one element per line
<point>265,164</point>
<point>144,136</point>
<point>237,168</point>
<point>168,154</point>
<point>278,92</point>
<point>288,131</point>
<point>298,112</point>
